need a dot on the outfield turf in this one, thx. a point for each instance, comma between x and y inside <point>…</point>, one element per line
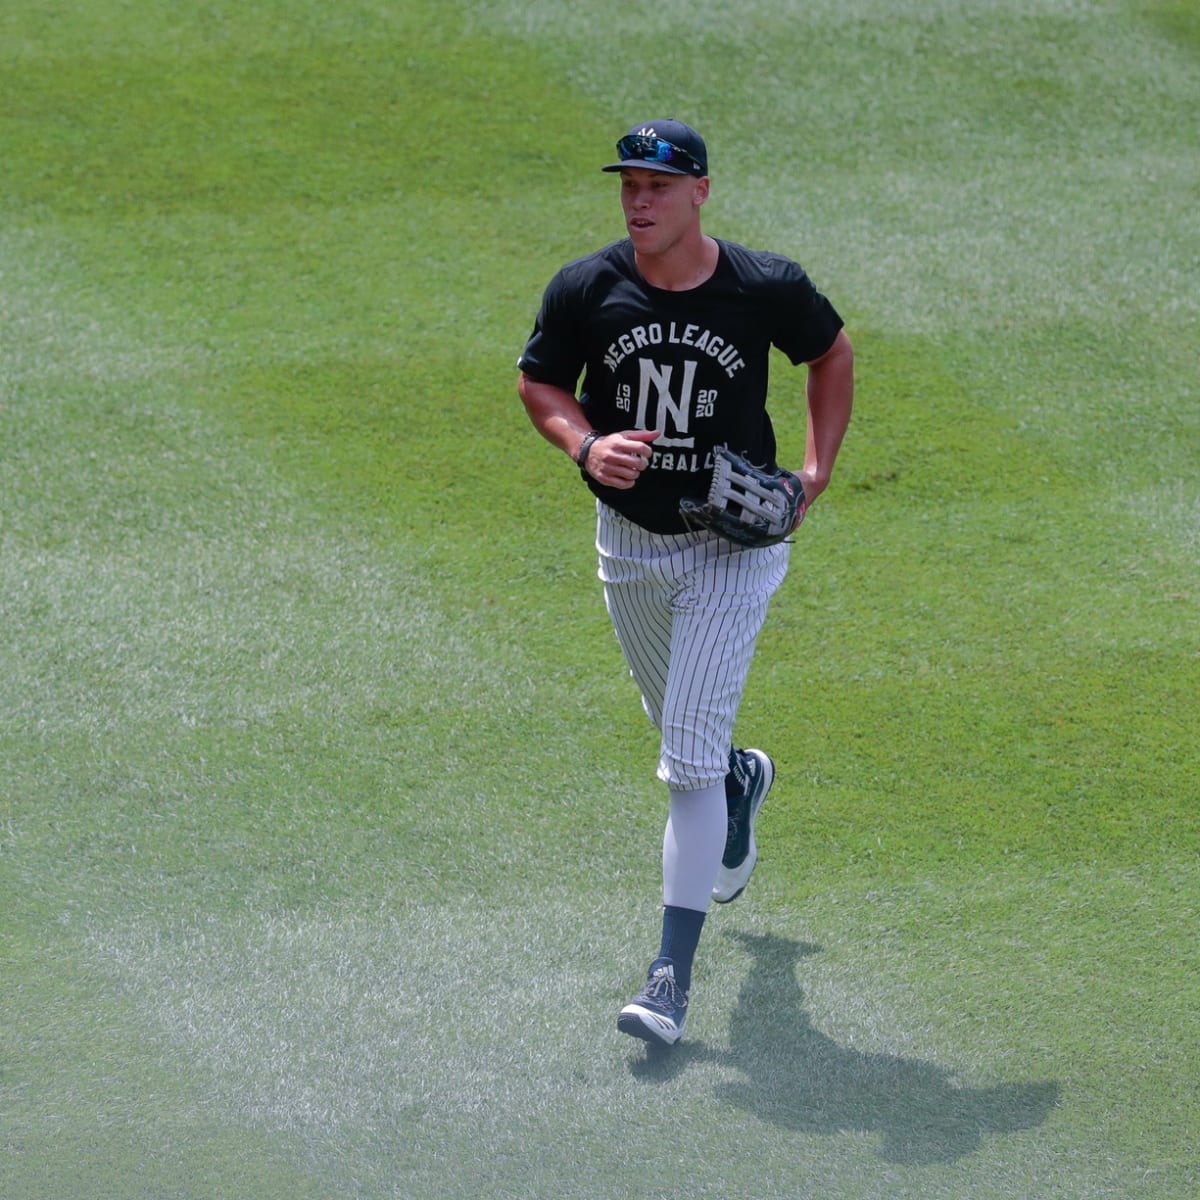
<point>328,828</point>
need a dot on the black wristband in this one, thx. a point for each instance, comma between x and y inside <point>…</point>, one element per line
<point>585,448</point>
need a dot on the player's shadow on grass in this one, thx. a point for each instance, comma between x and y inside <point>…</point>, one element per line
<point>798,1078</point>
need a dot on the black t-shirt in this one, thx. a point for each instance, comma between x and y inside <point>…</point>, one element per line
<point>691,364</point>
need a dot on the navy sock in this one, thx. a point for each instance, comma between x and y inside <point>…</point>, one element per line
<point>680,936</point>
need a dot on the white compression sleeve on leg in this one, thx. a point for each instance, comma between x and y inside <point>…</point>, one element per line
<point>693,844</point>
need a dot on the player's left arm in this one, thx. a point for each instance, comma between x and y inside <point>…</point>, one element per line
<point>830,393</point>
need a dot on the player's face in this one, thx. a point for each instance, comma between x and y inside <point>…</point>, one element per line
<point>660,208</point>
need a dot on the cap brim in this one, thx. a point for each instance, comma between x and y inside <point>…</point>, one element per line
<point>641,164</point>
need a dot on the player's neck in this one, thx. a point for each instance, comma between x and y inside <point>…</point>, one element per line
<point>684,266</point>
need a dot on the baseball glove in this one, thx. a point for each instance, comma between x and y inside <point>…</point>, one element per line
<point>746,504</point>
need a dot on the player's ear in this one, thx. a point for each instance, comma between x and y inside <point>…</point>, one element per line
<point>700,192</point>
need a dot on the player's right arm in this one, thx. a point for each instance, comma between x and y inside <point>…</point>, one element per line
<point>615,460</point>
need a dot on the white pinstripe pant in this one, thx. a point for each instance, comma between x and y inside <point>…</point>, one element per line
<point>687,610</point>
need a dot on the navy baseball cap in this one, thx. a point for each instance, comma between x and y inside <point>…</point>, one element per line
<point>668,145</point>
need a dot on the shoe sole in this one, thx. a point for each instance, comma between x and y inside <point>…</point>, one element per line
<point>649,1026</point>
<point>737,879</point>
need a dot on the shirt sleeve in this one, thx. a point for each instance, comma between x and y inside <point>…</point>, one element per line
<point>555,352</point>
<point>808,323</point>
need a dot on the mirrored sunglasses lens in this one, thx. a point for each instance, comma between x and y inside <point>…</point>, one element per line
<point>650,149</point>
<point>644,148</point>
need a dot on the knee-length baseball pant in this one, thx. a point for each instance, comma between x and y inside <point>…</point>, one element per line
<point>687,610</point>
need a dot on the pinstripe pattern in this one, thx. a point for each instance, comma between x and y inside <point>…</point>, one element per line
<point>687,609</point>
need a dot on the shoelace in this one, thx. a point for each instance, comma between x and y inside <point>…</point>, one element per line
<point>744,779</point>
<point>738,816</point>
<point>662,988</point>
<point>735,824</point>
<point>741,774</point>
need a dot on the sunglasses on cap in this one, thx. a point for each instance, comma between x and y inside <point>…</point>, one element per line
<point>644,148</point>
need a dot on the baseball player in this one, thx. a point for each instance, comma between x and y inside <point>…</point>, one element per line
<point>671,330</point>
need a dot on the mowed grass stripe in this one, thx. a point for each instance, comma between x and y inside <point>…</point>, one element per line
<point>341,1026</point>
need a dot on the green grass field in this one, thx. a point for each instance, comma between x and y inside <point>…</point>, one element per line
<point>329,837</point>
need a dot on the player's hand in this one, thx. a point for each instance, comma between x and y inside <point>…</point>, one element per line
<point>617,460</point>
